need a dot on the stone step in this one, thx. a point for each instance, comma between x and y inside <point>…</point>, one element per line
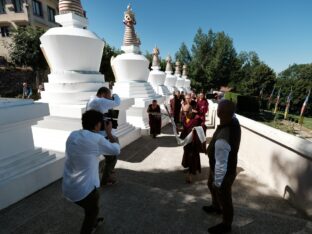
<point>72,87</point>
<point>75,77</point>
<point>68,97</point>
<point>25,165</point>
<point>7,161</point>
<point>29,177</point>
<point>60,123</point>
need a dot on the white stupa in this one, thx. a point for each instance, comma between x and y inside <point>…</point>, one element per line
<point>171,79</point>
<point>131,73</point>
<point>180,80</point>
<point>187,82</point>
<point>157,77</point>
<point>74,55</point>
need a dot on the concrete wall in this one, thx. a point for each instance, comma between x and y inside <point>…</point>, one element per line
<point>280,160</point>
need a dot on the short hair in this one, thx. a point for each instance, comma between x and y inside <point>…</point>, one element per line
<point>154,101</point>
<point>227,106</point>
<point>90,119</point>
<point>103,90</point>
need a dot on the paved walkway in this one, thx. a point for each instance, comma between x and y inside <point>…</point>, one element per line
<point>152,197</point>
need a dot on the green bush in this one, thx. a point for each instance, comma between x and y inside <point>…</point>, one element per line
<point>249,104</point>
<point>231,96</point>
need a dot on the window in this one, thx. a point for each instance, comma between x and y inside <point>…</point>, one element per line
<point>51,14</point>
<point>37,8</point>
<point>4,31</point>
<point>2,7</point>
<point>18,5</point>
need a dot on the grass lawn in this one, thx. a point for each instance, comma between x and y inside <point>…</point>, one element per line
<point>277,121</point>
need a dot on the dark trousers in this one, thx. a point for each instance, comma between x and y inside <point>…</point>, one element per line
<point>107,167</point>
<point>222,197</point>
<point>90,204</point>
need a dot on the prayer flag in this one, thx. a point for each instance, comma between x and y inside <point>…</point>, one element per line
<point>304,107</point>
<point>288,104</point>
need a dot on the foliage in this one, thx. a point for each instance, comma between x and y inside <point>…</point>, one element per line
<point>183,54</point>
<point>25,48</point>
<point>214,60</point>
<point>299,79</point>
<point>253,76</point>
<point>231,96</point>
<point>105,68</point>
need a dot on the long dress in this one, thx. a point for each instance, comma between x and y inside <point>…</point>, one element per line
<point>191,158</point>
<point>202,108</point>
<point>175,107</point>
<point>154,119</point>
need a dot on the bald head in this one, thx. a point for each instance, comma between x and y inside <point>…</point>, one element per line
<point>226,110</point>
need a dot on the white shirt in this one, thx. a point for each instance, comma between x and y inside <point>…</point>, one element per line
<point>81,170</point>
<point>222,150</point>
<point>103,104</point>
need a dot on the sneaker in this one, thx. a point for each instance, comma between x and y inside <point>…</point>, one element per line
<point>99,222</point>
<point>221,228</point>
<point>212,209</point>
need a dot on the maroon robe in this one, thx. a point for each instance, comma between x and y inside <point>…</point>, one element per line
<point>175,108</point>
<point>191,158</point>
<point>154,120</point>
<point>202,108</point>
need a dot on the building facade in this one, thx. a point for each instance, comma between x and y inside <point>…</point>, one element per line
<point>20,13</point>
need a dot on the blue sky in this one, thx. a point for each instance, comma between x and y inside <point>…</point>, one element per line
<point>280,31</point>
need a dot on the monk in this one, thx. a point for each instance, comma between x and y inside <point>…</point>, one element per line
<point>202,109</point>
<point>191,158</point>
<point>154,115</point>
<point>175,106</point>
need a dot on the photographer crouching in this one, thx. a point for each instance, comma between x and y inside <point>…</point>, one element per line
<point>81,170</point>
<point>103,102</point>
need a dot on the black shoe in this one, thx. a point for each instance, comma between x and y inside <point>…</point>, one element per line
<point>99,222</point>
<point>211,209</point>
<point>221,228</point>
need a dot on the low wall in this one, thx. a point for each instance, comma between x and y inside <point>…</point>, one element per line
<point>280,160</point>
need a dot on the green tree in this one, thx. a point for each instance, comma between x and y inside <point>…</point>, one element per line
<point>253,75</point>
<point>299,78</point>
<point>183,54</point>
<point>25,50</point>
<point>201,52</point>
<point>214,60</point>
<point>105,68</point>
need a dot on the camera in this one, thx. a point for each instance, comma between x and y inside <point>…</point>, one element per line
<point>111,116</point>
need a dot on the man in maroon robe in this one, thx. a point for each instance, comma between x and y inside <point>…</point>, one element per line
<point>154,115</point>
<point>191,158</point>
<point>202,109</point>
<point>175,107</point>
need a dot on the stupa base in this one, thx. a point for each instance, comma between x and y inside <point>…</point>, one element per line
<point>52,132</point>
<point>25,169</point>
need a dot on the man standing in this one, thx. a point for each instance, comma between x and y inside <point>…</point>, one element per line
<point>175,105</point>
<point>102,102</point>
<point>154,116</point>
<point>27,91</point>
<point>202,108</point>
<point>222,152</point>
<point>81,175</point>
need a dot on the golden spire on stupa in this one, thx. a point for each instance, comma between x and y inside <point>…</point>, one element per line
<point>130,37</point>
<point>71,6</point>
<point>177,68</point>
<point>184,72</point>
<point>156,62</point>
<point>168,65</point>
